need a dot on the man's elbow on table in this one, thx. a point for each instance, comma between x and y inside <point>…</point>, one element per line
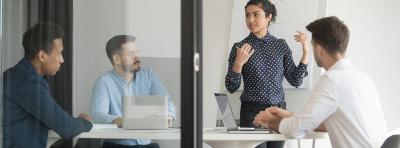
<point>292,130</point>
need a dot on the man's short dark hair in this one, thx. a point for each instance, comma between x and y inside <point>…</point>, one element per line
<point>114,45</point>
<point>40,37</point>
<point>331,33</point>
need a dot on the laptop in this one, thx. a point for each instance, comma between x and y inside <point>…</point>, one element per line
<point>145,112</point>
<point>229,121</point>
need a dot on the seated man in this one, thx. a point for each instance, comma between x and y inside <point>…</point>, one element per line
<point>29,110</point>
<point>126,78</point>
<point>345,102</point>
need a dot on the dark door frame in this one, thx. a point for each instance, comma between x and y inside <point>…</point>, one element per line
<point>191,80</point>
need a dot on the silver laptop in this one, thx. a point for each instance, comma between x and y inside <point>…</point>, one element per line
<point>145,112</point>
<point>229,121</point>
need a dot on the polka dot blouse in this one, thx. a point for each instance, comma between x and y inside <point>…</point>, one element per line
<point>264,71</point>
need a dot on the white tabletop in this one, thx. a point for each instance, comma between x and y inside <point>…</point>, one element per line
<point>217,138</point>
<point>174,134</point>
<point>222,135</point>
<point>170,134</point>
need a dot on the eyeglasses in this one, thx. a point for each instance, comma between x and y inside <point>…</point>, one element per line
<point>131,54</point>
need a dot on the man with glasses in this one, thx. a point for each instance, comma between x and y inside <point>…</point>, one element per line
<point>127,78</point>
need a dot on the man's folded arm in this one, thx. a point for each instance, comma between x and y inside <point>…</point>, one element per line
<point>320,106</point>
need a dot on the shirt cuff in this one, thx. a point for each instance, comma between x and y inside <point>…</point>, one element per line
<point>303,68</point>
<point>282,126</point>
<point>289,127</point>
<point>105,119</point>
<point>234,76</point>
<point>171,114</point>
<point>87,125</point>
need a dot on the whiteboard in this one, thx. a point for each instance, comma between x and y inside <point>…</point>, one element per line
<point>292,16</point>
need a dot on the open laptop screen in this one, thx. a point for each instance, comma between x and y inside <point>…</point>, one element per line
<point>225,110</point>
<point>145,112</point>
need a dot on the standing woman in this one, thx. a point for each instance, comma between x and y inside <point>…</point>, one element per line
<point>263,60</point>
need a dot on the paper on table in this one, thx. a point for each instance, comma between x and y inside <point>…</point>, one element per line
<point>104,126</point>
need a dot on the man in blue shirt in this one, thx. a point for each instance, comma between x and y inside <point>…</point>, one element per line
<point>29,110</point>
<point>126,78</point>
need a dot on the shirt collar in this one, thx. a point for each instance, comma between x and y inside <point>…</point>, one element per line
<point>115,74</point>
<point>25,62</point>
<point>120,78</point>
<point>340,63</point>
<point>265,39</point>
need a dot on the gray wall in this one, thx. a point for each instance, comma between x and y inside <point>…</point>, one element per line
<point>15,23</point>
<point>94,24</point>
<point>168,69</point>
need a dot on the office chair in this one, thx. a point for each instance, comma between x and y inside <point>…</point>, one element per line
<point>392,142</point>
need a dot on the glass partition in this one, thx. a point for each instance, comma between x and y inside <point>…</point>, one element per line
<point>156,49</point>
<point>107,50</point>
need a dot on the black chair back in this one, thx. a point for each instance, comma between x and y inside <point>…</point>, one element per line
<point>392,142</point>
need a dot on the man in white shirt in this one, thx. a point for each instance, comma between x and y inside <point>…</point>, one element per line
<point>344,103</point>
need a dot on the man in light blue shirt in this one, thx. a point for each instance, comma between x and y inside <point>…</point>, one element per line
<point>126,78</point>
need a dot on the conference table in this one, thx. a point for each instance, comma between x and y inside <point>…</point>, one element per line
<point>215,137</point>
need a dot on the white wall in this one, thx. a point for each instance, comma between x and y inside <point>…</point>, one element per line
<point>216,22</point>
<point>373,46</point>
